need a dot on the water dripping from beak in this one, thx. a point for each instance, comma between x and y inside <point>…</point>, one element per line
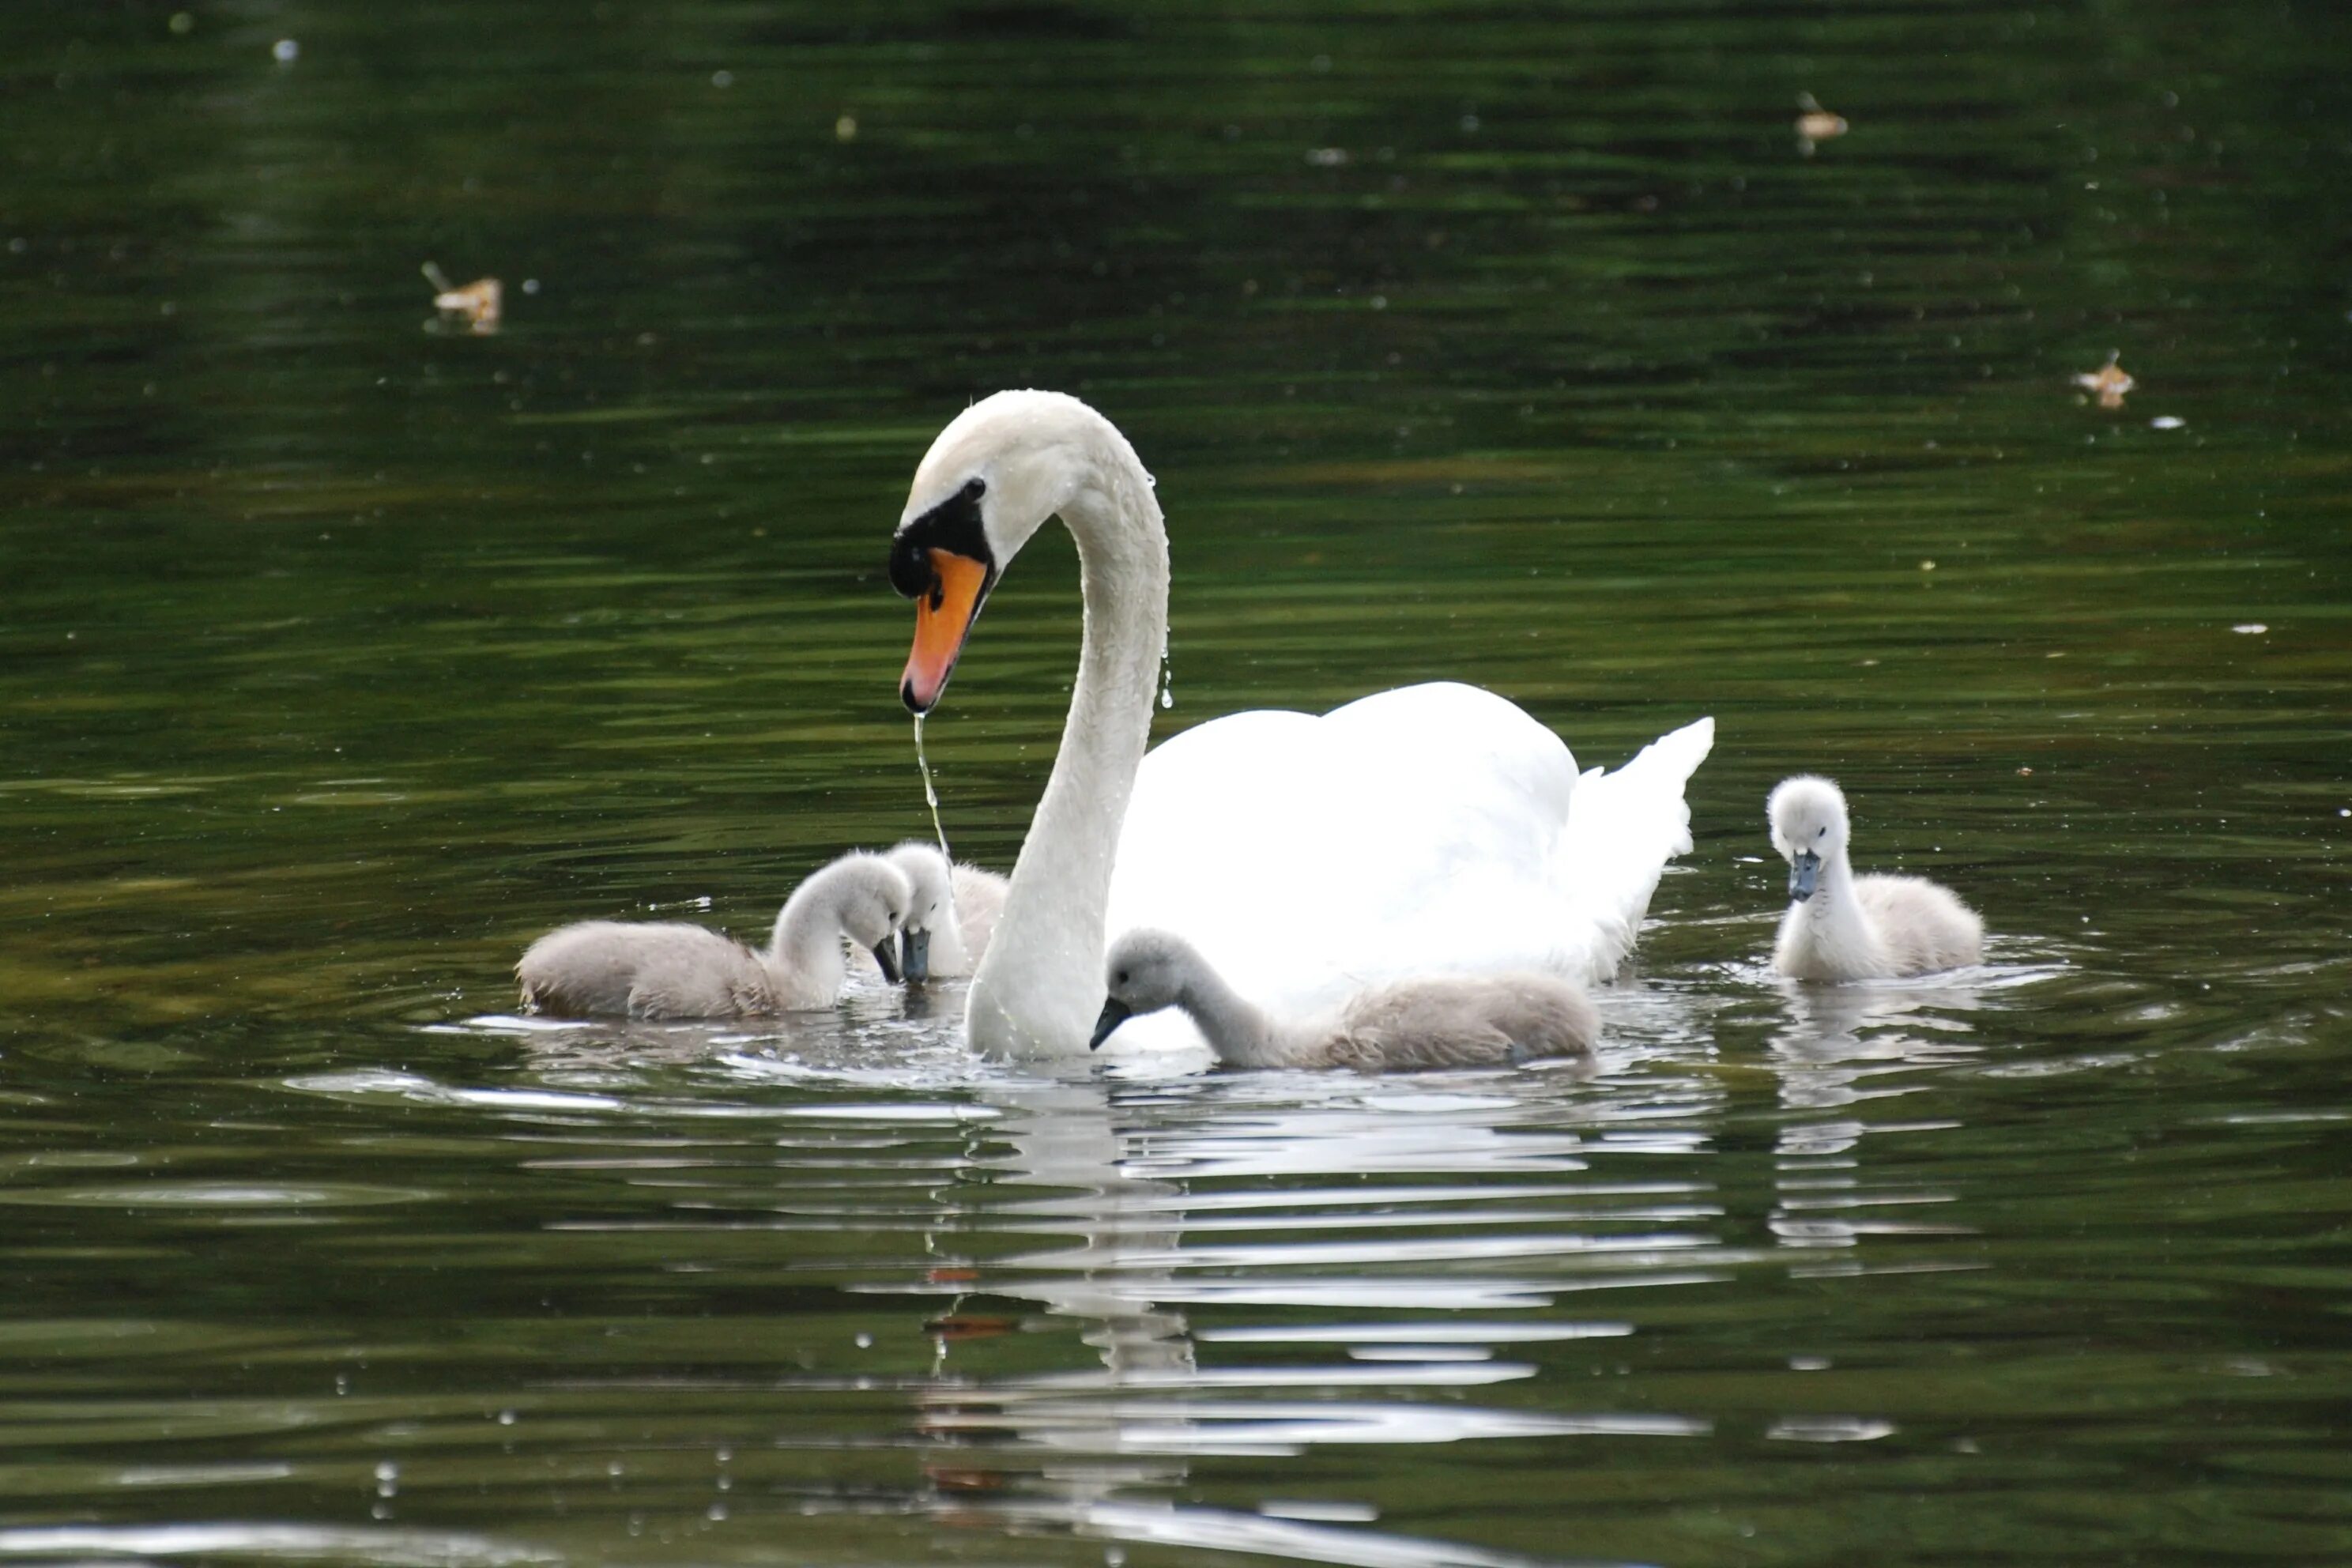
<point>930,795</point>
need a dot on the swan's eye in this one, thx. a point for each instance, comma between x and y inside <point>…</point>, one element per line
<point>938,594</point>
<point>1825,833</point>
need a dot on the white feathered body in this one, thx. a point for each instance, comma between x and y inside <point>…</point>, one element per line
<point>979,899</point>
<point>1462,1021</point>
<point>660,970</point>
<point>1430,829</point>
<point>1876,927</point>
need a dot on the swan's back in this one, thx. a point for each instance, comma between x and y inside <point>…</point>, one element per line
<point>978,901</point>
<point>1921,925</point>
<point>1435,827</point>
<point>1465,1021</point>
<point>653,970</point>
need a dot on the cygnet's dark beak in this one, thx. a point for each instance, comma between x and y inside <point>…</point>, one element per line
<point>885,953</point>
<point>1804,875</point>
<point>918,946</point>
<point>1115,1012</point>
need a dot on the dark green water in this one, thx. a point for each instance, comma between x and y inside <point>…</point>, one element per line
<point>339,657</point>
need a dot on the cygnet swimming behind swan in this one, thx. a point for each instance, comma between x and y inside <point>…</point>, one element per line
<point>1440,1021</point>
<point>953,915</point>
<point>1843,927</point>
<point>660,969</point>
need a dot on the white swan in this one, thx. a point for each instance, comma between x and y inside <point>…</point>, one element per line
<point>1408,1026</point>
<point>1431,828</point>
<point>668,969</point>
<point>1843,927</point>
<point>953,915</point>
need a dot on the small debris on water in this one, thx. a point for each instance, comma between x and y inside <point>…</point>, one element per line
<point>1816,124</point>
<point>865,1342</point>
<point>2109,382</point>
<point>477,304</point>
<point>286,51</point>
<point>2167,422</point>
<point>1326,157</point>
<point>846,128</point>
<point>2025,773</point>
<point>2250,628</point>
<point>183,21</point>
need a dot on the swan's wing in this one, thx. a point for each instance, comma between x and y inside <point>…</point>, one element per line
<point>1305,857</point>
<point>1623,828</point>
<point>1426,830</point>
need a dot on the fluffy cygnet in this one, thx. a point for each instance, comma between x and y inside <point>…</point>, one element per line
<point>1843,927</point>
<point>1448,1021</point>
<point>667,969</point>
<point>954,912</point>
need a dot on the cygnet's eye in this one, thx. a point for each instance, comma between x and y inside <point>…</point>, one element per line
<point>1120,979</point>
<point>1825,833</point>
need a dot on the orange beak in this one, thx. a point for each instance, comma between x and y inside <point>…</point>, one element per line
<point>943,619</point>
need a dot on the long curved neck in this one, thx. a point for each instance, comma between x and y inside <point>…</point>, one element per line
<point>1241,1032</point>
<point>805,948</point>
<point>1834,918</point>
<point>1040,985</point>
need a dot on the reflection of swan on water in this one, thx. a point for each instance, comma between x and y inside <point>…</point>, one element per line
<point>1842,1047</point>
<point>1435,827</point>
<point>1094,1452</point>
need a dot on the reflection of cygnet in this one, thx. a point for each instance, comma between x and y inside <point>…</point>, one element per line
<point>666,969</point>
<point>1844,927</point>
<point>1449,1021</point>
<point>954,912</point>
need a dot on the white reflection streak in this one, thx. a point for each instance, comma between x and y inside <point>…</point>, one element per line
<point>391,1547</point>
<point>1221,1529</point>
<point>1845,1045</point>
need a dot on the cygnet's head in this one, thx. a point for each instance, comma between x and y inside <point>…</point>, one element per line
<point>1147,970</point>
<point>990,482</point>
<point>1809,827</point>
<point>867,897</point>
<point>932,911</point>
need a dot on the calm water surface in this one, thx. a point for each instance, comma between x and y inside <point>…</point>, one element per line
<point>339,657</point>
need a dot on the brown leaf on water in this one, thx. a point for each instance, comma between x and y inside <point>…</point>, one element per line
<point>2109,382</point>
<point>477,304</point>
<point>959,1326</point>
<point>1816,124</point>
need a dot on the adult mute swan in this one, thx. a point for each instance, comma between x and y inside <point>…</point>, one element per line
<point>660,970</point>
<point>1843,927</point>
<point>1408,1026</point>
<point>1433,828</point>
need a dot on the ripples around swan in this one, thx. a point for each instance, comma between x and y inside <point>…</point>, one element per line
<point>1094,1306</point>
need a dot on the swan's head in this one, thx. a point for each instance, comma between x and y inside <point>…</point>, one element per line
<point>933,907</point>
<point>867,897</point>
<point>990,482</point>
<point>1146,970</point>
<point>1809,827</point>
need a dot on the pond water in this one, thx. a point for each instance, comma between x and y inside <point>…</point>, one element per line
<point>343,649</point>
